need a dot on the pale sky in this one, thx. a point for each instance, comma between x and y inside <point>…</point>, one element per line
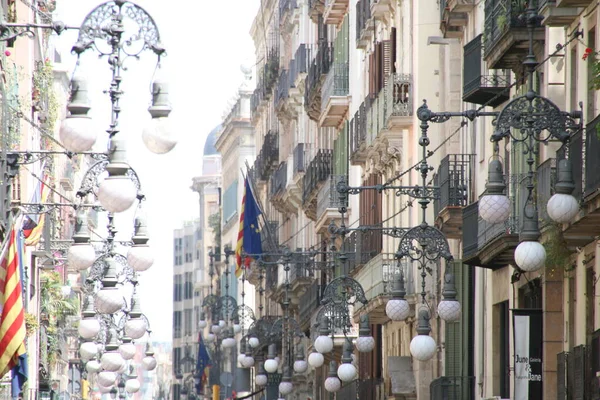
<point>206,42</point>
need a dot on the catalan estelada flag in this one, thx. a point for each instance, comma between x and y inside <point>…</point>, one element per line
<point>249,239</point>
<point>12,322</point>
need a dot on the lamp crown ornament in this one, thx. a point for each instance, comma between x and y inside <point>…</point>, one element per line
<point>364,326</point>
<point>160,107</point>
<point>324,327</point>
<point>347,353</point>
<point>136,310</point>
<point>332,369</point>
<point>564,180</point>
<point>82,230</point>
<point>113,343</point>
<point>117,158</point>
<point>89,310</point>
<point>530,230</point>
<point>140,233</point>
<point>398,290</point>
<point>495,183</point>
<point>110,277</point>
<point>300,356</point>
<point>423,327</point>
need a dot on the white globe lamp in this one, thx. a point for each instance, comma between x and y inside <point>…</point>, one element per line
<point>158,136</point>
<point>422,346</point>
<point>494,206</point>
<point>397,308</point>
<point>365,341</point>
<point>316,359</point>
<point>78,132</point>
<point>449,308</point>
<point>332,383</point>
<point>562,206</point>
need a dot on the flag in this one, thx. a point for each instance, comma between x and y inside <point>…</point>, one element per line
<point>202,363</point>
<point>249,239</point>
<point>12,323</point>
<point>33,225</point>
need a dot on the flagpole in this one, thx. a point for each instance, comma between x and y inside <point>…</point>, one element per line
<point>261,209</point>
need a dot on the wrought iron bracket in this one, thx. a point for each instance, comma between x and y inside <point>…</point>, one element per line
<point>416,192</point>
<point>11,31</point>
<point>30,157</point>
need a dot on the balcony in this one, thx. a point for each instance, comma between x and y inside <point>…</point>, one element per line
<point>454,17</point>
<point>316,9</point>
<point>67,178</point>
<point>454,180</point>
<point>329,202</point>
<point>573,3</point>
<point>278,188</point>
<point>309,302</point>
<point>399,102</point>
<point>586,164</point>
<point>558,16</point>
<point>266,79</point>
<point>286,11</point>
<point>487,245</point>
<point>317,173</point>
<point>335,11</point>
<point>358,133</point>
<point>298,68</point>
<point>491,89</point>
<point>364,25</point>
<point>377,278</point>
<point>506,37</point>
<point>319,68</point>
<point>301,275</point>
<point>335,98</point>
<point>268,157</point>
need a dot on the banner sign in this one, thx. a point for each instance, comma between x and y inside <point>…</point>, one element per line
<point>528,335</point>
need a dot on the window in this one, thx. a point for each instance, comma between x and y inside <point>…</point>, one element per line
<point>188,286</point>
<point>188,322</point>
<point>177,288</point>
<point>230,202</point>
<point>177,324</point>
<point>176,358</point>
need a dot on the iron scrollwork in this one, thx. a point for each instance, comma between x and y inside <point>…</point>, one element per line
<point>344,290</point>
<point>424,243</point>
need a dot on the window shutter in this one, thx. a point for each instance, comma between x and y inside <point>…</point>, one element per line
<point>454,330</point>
<point>394,51</point>
<point>386,65</point>
<point>372,73</point>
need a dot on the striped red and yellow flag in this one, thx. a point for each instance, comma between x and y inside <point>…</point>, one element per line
<point>12,323</point>
<point>239,267</point>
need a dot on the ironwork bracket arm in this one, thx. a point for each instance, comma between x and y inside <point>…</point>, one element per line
<point>10,31</point>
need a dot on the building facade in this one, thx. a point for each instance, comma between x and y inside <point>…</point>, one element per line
<point>338,86</point>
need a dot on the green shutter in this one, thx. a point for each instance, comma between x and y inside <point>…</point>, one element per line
<point>340,152</point>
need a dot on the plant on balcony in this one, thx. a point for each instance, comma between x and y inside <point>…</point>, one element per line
<point>557,253</point>
<point>214,222</point>
<point>43,96</point>
<point>54,308</point>
<point>31,324</point>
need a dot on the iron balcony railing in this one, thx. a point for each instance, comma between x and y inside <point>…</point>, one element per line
<point>286,6</point>
<point>500,16</point>
<point>336,83</point>
<point>362,246</point>
<point>592,157</point>
<point>269,237</point>
<point>470,230</point>
<point>300,63</point>
<point>399,97</point>
<point>358,126</point>
<point>454,180</point>
<point>300,268</point>
<point>268,157</point>
<point>329,197</point>
<point>453,388</point>
<point>309,302</point>
<point>319,66</point>
<point>318,171</point>
<point>283,88</point>
<point>279,180</point>
<point>363,15</point>
<point>300,158</point>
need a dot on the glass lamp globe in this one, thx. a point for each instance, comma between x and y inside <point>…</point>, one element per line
<point>112,361</point>
<point>240,359</point>
<point>117,193</point>
<point>237,328</point>
<point>300,366</point>
<point>323,344</point>
<point>78,134</point>
<point>422,347</point>
<point>132,385</point>
<point>248,361</point>
<point>107,378</point>
<point>449,310</point>
<point>365,344</point>
<point>149,363</point>
<point>261,379</point>
<point>158,136</point>
<point>88,328</point>
<point>216,329</point>
<point>286,388</point>
<point>135,328</point>
<point>127,350</point>
<point>397,309</point>
<point>346,372</point>
<point>109,300</point>
<point>202,324</point>
<point>271,365</point>
<point>222,323</point>
<point>140,257</point>
<point>253,342</point>
<point>88,350</point>
<point>210,338</point>
<point>228,343</point>
<point>105,389</point>
<point>563,208</point>
<point>316,359</point>
<point>530,256</point>
<point>494,208</point>
<point>93,366</point>
<point>332,384</point>
<point>81,256</point>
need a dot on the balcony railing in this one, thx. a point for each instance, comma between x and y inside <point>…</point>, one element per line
<point>319,67</point>
<point>453,388</point>
<point>399,96</point>
<point>299,64</point>
<point>268,157</point>
<point>358,128</point>
<point>283,88</point>
<point>329,197</point>
<point>364,245</point>
<point>279,180</point>
<point>309,302</point>
<point>454,179</point>
<point>363,17</point>
<point>286,6</point>
<point>336,83</point>
<point>300,158</point>
<point>266,78</point>
<point>592,157</point>
<point>318,171</point>
<point>300,268</point>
